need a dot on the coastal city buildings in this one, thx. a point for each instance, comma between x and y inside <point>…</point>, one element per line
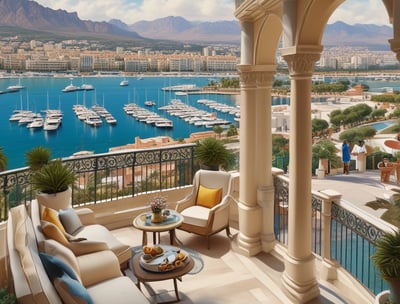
<point>83,57</point>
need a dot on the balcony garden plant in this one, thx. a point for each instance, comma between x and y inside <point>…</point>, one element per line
<point>212,154</point>
<point>51,178</point>
<point>387,259</point>
<point>323,151</point>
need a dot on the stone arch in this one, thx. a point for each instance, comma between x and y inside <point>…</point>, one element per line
<point>267,39</point>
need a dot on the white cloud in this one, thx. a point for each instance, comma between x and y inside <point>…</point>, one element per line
<point>133,11</point>
<point>361,11</point>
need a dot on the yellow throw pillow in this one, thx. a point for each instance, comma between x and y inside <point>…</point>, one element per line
<point>51,231</point>
<point>208,197</point>
<point>51,215</point>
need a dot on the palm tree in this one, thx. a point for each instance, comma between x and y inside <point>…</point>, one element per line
<point>3,160</point>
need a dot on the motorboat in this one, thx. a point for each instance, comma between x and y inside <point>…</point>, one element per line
<point>93,120</point>
<point>87,87</point>
<point>71,88</point>
<point>149,103</point>
<point>51,124</point>
<point>110,120</point>
<point>37,123</point>
<point>124,83</point>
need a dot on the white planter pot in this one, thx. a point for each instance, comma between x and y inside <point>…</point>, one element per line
<point>57,201</point>
<point>382,297</point>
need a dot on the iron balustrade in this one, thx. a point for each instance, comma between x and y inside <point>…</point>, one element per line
<point>109,176</point>
<point>340,232</point>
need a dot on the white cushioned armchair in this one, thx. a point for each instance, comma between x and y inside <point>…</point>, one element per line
<point>206,208</point>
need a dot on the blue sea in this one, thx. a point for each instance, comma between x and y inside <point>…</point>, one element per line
<point>41,93</point>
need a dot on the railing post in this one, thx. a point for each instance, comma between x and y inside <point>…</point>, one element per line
<point>329,267</point>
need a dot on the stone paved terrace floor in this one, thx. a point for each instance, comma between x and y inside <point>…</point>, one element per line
<point>228,277</point>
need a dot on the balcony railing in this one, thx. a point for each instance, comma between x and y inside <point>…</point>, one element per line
<point>109,176</point>
<point>340,232</point>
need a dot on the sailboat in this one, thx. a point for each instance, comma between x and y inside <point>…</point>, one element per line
<point>16,87</point>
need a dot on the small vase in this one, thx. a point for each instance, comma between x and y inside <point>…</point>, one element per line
<point>156,217</point>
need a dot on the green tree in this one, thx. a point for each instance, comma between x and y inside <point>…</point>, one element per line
<point>378,113</point>
<point>279,144</point>
<point>232,131</point>
<point>319,125</point>
<point>218,130</point>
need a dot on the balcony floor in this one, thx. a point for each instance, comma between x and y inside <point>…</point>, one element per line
<point>227,277</point>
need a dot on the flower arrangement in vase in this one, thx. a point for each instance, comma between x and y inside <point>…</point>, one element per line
<point>157,205</point>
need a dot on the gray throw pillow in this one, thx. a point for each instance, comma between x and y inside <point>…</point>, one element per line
<point>70,220</point>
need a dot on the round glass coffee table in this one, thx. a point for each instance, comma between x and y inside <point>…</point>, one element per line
<point>143,222</point>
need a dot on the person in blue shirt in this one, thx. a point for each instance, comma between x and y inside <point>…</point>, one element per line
<point>345,157</point>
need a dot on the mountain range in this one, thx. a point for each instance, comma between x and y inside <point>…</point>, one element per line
<point>29,15</point>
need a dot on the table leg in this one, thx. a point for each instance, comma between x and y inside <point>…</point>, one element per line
<point>176,290</point>
<point>172,238</point>
<point>144,238</point>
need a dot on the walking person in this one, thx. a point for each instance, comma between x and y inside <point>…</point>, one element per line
<point>346,157</point>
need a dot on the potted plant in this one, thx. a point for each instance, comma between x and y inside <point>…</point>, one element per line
<point>53,181</point>
<point>387,259</point>
<point>213,154</point>
<point>37,157</point>
<point>323,151</point>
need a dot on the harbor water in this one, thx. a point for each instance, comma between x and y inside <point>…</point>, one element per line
<point>41,93</point>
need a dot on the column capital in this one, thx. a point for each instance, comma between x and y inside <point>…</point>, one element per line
<point>250,76</point>
<point>301,64</point>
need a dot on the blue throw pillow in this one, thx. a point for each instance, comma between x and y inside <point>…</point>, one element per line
<point>55,267</point>
<point>71,291</point>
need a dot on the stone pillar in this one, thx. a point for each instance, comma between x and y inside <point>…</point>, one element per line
<point>265,190</point>
<point>328,268</point>
<point>249,212</point>
<point>299,277</point>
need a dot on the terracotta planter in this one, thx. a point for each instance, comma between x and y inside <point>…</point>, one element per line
<point>57,201</point>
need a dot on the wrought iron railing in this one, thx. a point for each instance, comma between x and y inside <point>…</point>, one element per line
<point>109,176</point>
<point>339,232</point>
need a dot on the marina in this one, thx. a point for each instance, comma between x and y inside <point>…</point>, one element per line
<point>71,134</point>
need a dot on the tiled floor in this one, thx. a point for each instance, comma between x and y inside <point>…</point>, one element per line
<point>227,277</point>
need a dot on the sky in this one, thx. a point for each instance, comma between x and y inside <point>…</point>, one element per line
<point>131,11</point>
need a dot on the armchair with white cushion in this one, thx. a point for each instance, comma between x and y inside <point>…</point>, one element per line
<point>206,208</point>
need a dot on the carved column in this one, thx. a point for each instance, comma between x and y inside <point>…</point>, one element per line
<point>299,276</point>
<point>249,212</point>
<point>265,189</point>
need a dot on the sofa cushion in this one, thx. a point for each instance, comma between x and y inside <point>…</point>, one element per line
<point>78,248</point>
<point>100,233</point>
<point>56,267</point>
<point>70,220</point>
<point>51,215</point>
<point>60,251</point>
<point>51,231</point>
<point>208,197</point>
<point>71,291</point>
<point>196,215</point>
<point>123,292</point>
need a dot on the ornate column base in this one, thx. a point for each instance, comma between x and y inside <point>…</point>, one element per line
<point>265,199</point>
<point>249,241</point>
<point>299,279</point>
